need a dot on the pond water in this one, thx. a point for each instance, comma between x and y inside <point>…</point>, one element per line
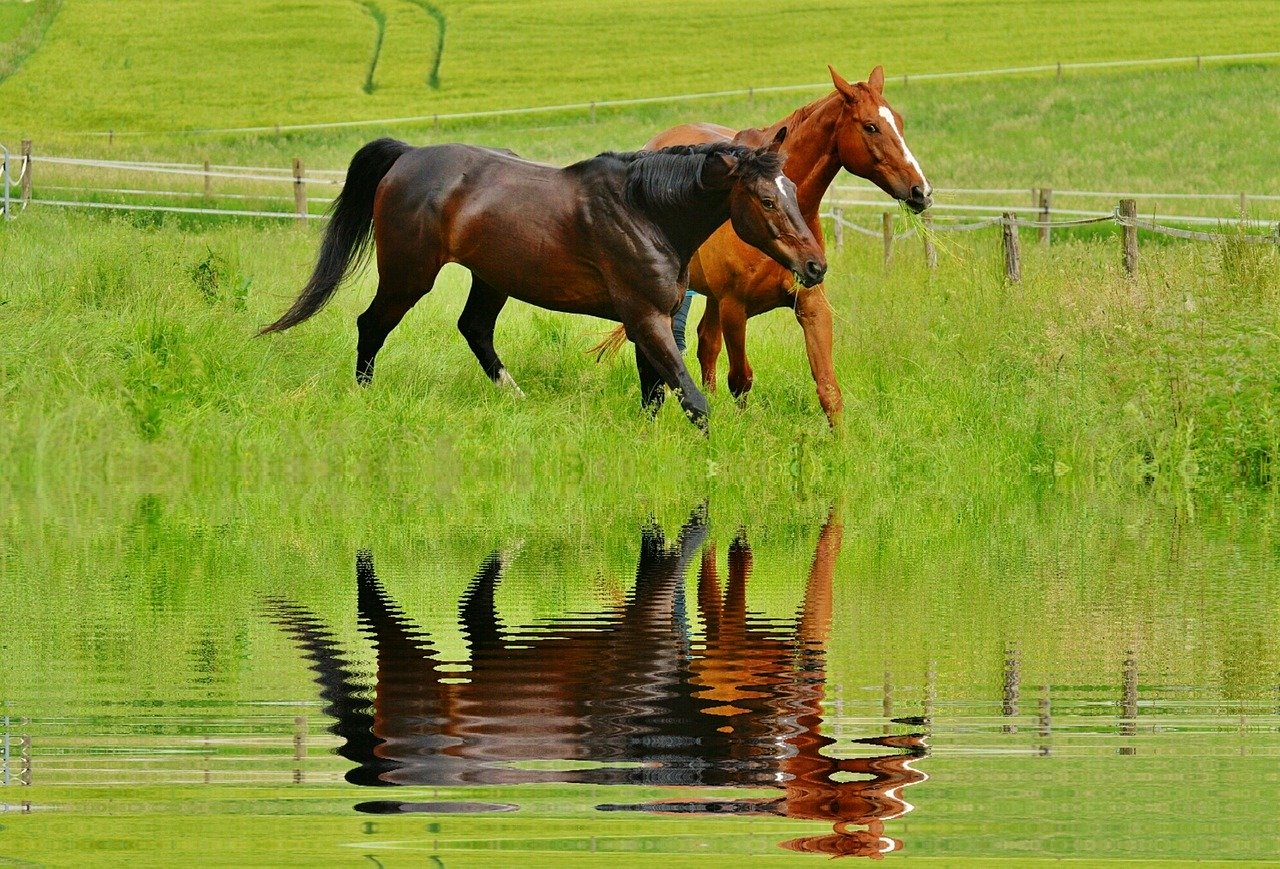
<point>1092,685</point>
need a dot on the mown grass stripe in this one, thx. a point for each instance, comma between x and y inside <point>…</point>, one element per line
<point>380,24</point>
<point>433,76</point>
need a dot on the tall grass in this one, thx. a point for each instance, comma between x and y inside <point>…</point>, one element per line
<point>129,362</point>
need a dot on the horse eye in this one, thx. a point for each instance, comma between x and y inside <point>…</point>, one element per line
<point>871,128</point>
<point>768,204</point>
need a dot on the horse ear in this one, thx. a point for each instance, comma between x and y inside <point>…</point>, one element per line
<point>849,92</point>
<point>718,169</point>
<point>778,139</point>
<point>876,80</point>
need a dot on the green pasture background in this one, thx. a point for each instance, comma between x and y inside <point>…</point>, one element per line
<point>153,65</point>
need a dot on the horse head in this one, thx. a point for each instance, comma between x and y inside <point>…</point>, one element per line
<point>763,207</point>
<point>870,142</point>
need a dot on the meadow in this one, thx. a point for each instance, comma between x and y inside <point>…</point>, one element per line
<point>130,363</point>
<point>147,374</point>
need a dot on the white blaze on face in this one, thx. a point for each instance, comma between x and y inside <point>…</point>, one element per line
<point>911,158</point>
<point>782,188</point>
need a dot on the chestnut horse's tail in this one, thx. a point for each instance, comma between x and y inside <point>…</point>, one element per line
<point>612,343</point>
<point>346,240</point>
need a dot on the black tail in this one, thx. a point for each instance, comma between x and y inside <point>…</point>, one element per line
<point>346,241</point>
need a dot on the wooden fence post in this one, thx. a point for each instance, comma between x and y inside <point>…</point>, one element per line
<point>930,250</point>
<point>1244,206</point>
<point>1012,688</point>
<point>1129,700</point>
<point>593,111</point>
<point>208,182</point>
<point>886,705</point>
<point>1045,716</point>
<point>26,172</point>
<point>1129,213</point>
<point>887,231</point>
<point>837,226</point>
<point>299,190</point>
<point>1046,205</point>
<point>1012,256</point>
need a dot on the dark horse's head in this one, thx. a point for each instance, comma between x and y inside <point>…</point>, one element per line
<point>763,207</point>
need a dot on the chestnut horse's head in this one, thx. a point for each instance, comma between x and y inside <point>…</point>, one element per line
<point>763,207</point>
<point>870,142</point>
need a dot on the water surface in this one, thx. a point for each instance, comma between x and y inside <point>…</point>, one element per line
<point>1074,688</point>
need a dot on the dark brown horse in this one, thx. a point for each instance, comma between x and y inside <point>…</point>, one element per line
<point>611,237</point>
<point>631,691</point>
<point>852,128</point>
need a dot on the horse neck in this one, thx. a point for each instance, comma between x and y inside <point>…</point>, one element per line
<point>812,159</point>
<point>688,227</point>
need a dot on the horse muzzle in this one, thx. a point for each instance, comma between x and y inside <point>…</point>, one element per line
<point>812,273</point>
<point>918,200</point>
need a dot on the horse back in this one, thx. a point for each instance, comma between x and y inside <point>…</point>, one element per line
<point>691,134</point>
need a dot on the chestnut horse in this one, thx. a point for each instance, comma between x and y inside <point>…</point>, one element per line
<point>611,236</point>
<point>852,128</point>
<point>632,690</point>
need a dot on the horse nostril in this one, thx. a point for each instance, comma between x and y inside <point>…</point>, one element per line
<point>814,270</point>
<point>917,192</point>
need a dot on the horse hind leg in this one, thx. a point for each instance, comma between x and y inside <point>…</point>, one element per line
<point>479,316</point>
<point>400,286</point>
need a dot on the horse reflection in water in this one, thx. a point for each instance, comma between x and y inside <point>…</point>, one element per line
<point>629,690</point>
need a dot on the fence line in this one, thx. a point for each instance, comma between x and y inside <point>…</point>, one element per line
<point>1125,215</point>
<point>1030,209</point>
<point>173,170</point>
<point>299,178</point>
<point>1112,217</point>
<point>337,176</point>
<point>591,105</point>
<point>128,206</point>
<point>1090,194</point>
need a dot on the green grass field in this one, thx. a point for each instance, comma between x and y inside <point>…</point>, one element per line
<point>141,325</point>
<point>130,361</point>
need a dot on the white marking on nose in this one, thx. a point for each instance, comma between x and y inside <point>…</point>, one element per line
<point>911,158</point>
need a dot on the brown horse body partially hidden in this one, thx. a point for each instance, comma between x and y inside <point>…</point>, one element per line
<point>852,128</point>
<point>611,236</point>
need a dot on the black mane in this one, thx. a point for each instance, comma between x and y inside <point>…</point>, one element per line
<point>671,178</point>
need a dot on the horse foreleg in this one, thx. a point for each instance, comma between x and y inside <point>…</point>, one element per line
<point>733,322</point>
<point>652,335</point>
<point>479,316</point>
<point>709,343</point>
<point>653,392</point>
<point>813,311</point>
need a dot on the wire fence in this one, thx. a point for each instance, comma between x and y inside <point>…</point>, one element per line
<point>286,193</point>
<point>1125,215</point>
